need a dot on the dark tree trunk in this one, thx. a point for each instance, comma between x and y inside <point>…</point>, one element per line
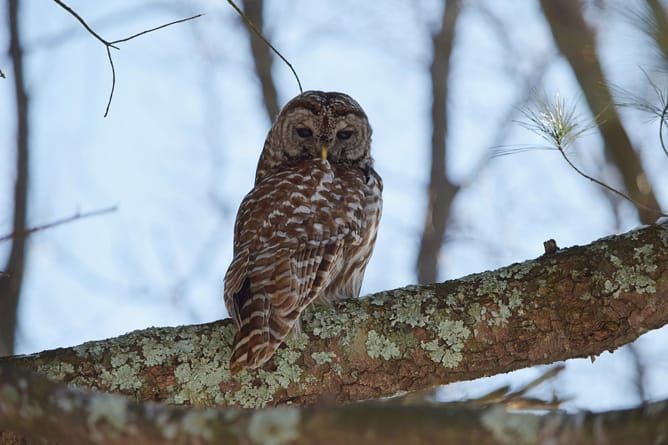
<point>441,191</point>
<point>262,59</point>
<point>11,280</point>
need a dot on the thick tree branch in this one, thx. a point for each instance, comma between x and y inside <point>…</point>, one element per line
<point>32,406</point>
<point>577,302</point>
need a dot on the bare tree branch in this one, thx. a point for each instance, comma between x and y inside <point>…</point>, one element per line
<point>441,192</point>
<point>111,44</point>
<point>11,282</point>
<point>577,302</point>
<point>35,408</point>
<point>78,215</point>
<point>262,57</point>
<point>258,33</point>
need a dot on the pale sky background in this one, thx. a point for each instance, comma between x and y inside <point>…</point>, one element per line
<point>179,148</point>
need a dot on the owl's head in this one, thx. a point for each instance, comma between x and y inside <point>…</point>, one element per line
<point>317,125</point>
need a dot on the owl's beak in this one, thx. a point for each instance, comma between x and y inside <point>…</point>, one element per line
<point>323,153</point>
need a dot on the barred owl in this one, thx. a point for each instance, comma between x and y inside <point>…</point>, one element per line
<point>305,232</point>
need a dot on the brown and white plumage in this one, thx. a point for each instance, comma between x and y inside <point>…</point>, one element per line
<point>306,231</point>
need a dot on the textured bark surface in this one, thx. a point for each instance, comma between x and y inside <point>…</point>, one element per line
<point>45,411</point>
<point>577,302</point>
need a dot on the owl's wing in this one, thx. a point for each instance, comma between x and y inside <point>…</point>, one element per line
<point>289,243</point>
<point>266,303</point>
<point>235,282</point>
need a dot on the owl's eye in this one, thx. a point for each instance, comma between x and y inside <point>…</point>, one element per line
<point>304,132</point>
<point>344,134</point>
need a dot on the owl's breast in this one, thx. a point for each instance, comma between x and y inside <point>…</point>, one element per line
<point>309,203</point>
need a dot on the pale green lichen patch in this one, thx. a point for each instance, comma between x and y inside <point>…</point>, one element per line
<point>328,322</point>
<point>256,395</point>
<point>122,378</point>
<point>517,271</point>
<point>505,310</point>
<point>491,284</point>
<point>196,382</point>
<point>408,310</point>
<point>447,357</point>
<point>198,379</point>
<point>633,277</point>
<point>663,234</point>
<point>119,360</point>
<point>476,312</point>
<point>56,371</point>
<point>323,357</point>
<point>377,345</point>
<point>297,340</point>
<point>446,349</point>
<point>454,333</point>
<point>155,353</point>
<point>274,427</point>
<point>645,255</point>
<point>380,298</point>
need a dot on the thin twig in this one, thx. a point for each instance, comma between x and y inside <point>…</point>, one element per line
<point>259,34</point>
<point>58,222</point>
<point>108,45</point>
<point>157,28</point>
<point>83,22</point>
<point>113,82</point>
<point>664,115</point>
<point>607,187</point>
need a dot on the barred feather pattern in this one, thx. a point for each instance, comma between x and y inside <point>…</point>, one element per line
<point>314,245</point>
<point>305,233</point>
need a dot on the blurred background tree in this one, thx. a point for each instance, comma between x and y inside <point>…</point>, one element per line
<point>442,83</point>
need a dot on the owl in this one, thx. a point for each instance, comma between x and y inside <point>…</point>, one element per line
<point>305,232</point>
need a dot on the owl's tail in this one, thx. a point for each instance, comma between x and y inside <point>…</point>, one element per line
<point>260,333</point>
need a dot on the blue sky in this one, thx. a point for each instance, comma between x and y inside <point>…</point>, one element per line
<point>179,148</point>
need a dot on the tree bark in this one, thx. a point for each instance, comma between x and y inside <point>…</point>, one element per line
<point>12,278</point>
<point>441,191</point>
<point>262,59</point>
<point>577,42</point>
<point>577,302</point>
<point>32,407</point>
